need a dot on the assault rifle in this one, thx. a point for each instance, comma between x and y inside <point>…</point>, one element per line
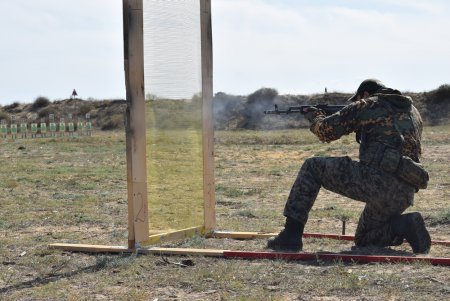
<point>328,109</point>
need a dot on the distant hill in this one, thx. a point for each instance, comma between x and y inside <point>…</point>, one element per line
<point>236,112</point>
<point>231,112</point>
<point>104,114</point>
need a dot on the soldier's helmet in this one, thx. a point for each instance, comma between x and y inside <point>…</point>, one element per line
<point>370,85</point>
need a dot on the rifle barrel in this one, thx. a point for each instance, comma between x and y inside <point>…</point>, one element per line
<point>328,109</point>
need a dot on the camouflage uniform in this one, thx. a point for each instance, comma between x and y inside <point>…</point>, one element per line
<point>377,122</point>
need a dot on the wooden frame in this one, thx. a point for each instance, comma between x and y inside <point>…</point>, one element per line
<point>138,219</point>
<point>138,223</point>
<point>138,229</point>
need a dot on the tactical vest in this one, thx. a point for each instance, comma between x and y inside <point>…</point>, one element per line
<point>387,155</point>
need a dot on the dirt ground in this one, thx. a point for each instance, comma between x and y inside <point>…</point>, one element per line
<point>74,190</point>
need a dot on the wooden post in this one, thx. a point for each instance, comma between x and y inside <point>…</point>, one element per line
<point>138,228</point>
<point>208,126</point>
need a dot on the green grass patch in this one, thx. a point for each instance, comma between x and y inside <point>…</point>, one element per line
<point>439,219</point>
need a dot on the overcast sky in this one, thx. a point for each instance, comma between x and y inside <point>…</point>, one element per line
<point>49,47</point>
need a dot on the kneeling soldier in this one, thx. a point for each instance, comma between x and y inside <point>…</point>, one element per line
<point>386,177</point>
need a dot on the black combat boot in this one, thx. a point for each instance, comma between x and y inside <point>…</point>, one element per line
<point>289,239</point>
<point>412,227</point>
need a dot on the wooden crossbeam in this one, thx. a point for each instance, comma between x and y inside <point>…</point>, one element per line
<point>174,235</point>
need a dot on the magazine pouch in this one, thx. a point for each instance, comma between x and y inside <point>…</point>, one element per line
<point>413,173</point>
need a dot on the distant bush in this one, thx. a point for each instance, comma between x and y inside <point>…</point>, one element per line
<point>11,107</point>
<point>443,93</point>
<point>263,96</point>
<point>4,116</point>
<point>112,123</point>
<point>84,109</point>
<point>40,102</point>
<point>440,95</point>
<point>47,111</point>
<point>435,105</point>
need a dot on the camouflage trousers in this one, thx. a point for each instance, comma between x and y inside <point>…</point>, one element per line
<point>385,196</point>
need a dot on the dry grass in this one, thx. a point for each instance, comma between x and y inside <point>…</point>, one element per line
<point>74,190</point>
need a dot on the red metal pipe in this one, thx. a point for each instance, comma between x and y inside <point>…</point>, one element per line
<point>351,238</point>
<point>334,256</point>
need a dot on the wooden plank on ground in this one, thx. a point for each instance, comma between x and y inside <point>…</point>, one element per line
<point>119,249</point>
<point>90,248</point>
<point>183,251</point>
<point>240,235</point>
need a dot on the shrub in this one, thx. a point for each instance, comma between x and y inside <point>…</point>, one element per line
<point>443,93</point>
<point>441,218</point>
<point>10,108</point>
<point>438,96</point>
<point>47,111</point>
<point>84,109</point>
<point>5,116</point>
<point>112,123</point>
<point>40,102</point>
<point>263,96</point>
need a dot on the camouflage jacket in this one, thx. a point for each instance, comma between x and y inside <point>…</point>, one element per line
<point>377,122</point>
